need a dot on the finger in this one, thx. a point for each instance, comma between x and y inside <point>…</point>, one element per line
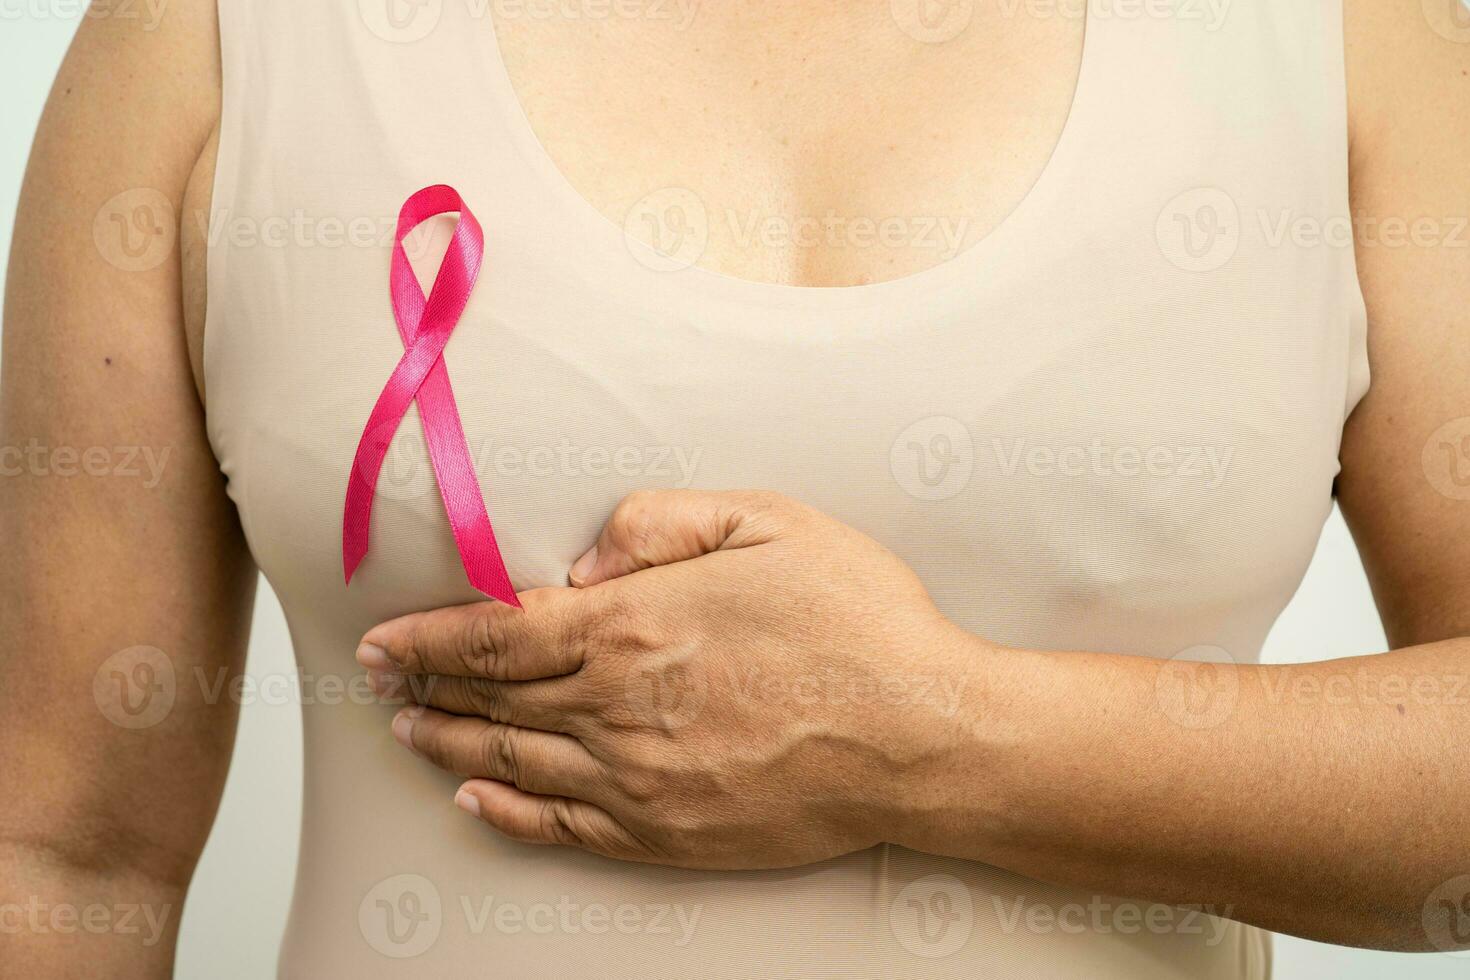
<point>542,819</point>
<point>660,527</point>
<point>538,762</point>
<point>483,639</point>
<point>550,705</point>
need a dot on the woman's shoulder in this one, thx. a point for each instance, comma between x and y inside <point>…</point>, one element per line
<point>129,126</point>
<point>1408,72</point>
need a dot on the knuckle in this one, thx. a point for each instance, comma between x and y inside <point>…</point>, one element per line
<point>557,824</point>
<point>483,699</point>
<point>409,651</point>
<point>481,646</point>
<point>632,524</point>
<point>500,754</point>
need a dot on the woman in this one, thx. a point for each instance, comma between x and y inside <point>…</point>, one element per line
<point>951,396</point>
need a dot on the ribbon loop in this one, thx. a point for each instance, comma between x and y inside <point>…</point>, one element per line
<point>425,324</point>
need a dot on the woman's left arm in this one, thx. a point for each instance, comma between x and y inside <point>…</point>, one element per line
<point>721,690</point>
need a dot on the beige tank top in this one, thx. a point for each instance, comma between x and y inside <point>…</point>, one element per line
<point>1110,425</point>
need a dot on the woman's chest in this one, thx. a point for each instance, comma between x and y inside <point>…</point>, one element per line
<point>1112,422</point>
<point>822,144</point>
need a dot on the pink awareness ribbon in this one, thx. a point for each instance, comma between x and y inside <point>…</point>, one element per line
<point>425,324</point>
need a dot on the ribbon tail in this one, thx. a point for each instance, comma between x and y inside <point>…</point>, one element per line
<point>356,516</point>
<point>460,488</point>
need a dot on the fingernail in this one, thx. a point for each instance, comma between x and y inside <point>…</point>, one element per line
<point>583,567</point>
<point>468,802</point>
<point>403,729</point>
<point>373,657</point>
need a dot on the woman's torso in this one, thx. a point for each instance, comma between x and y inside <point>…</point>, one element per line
<point>1088,378</point>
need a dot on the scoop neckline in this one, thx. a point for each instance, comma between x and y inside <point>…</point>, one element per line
<point>599,228</point>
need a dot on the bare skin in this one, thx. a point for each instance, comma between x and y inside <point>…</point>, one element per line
<point>96,356</point>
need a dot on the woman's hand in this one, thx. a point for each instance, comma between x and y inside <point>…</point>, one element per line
<point>737,681</point>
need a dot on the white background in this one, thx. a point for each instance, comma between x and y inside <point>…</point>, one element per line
<point>237,908</point>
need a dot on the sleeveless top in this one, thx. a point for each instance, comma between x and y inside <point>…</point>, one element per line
<point>1112,425</point>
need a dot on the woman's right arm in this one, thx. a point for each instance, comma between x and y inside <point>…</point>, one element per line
<point>126,588</point>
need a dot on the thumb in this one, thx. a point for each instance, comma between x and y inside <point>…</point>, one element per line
<point>660,527</point>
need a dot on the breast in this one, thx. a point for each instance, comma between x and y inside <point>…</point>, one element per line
<point>1139,481</point>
